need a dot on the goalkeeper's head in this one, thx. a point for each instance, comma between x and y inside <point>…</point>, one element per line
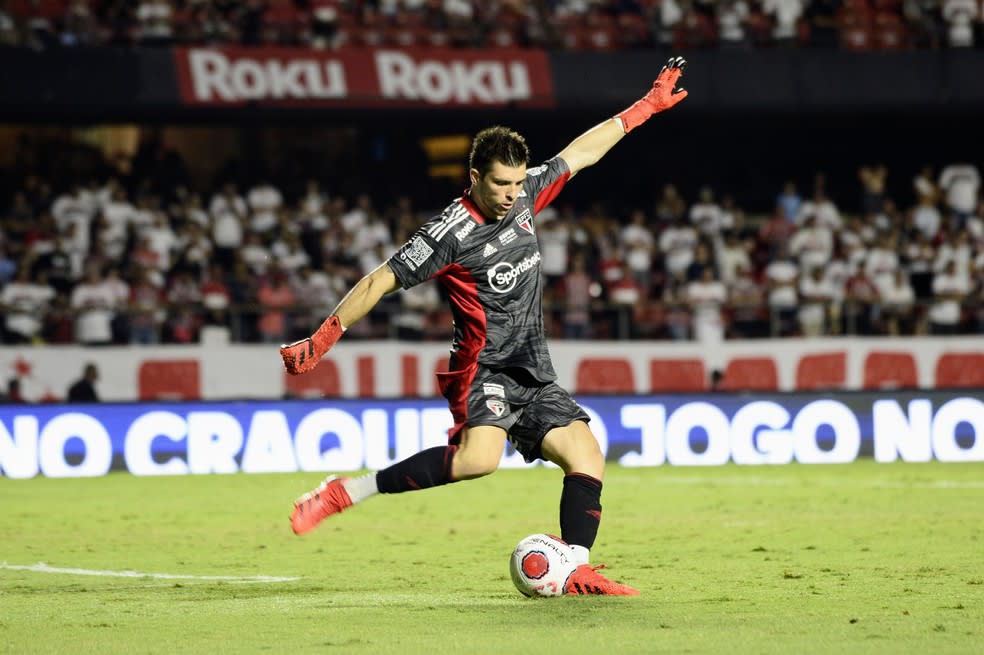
<point>497,168</point>
<point>497,144</point>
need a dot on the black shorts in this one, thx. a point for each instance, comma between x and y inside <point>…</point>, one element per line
<point>525,408</point>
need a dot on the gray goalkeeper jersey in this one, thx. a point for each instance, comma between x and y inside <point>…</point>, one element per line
<point>491,270</point>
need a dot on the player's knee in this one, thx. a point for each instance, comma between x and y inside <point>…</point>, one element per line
<point>469,467</point>
<point>474,463</point>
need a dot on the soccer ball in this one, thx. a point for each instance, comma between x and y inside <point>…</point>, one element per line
<point>540,565</point>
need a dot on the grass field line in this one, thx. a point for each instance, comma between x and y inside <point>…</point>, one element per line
<point>41,567</point>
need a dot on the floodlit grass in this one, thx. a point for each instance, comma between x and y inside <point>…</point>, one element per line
<point>863,558</point>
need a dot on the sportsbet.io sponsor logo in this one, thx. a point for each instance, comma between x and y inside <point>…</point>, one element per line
<point>503,276</point>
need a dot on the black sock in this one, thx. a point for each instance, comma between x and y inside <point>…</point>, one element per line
<point>580,509</point>
<point>428,468</point>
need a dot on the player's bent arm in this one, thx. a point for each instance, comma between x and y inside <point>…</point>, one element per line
<point>303,356</point>
<point>366,294</point>
<point>591,146</point>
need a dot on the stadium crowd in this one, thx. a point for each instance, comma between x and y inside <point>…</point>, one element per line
<point>131,257</point>
<point>554,24</point>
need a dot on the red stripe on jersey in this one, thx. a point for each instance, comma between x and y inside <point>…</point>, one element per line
<point>469,315</point>
<point>470,332</point>
<point>472,208</point>
<point>550,192</point>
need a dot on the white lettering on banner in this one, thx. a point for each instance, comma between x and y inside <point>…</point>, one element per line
<point>759,432</point>
<point>269,448</point>
<point>896,435</point>
<point>437,82</point>
<point>138,445</point>
<point>948,417</point>
<point>214,440</point>
<point>19,451</point>
<point>650,420</point>
<point>346,456</point>
<point>772,446</point>
<point>847,433</point>
<point>697,415</point>
<point>215,77</point>
<point>97,447</point>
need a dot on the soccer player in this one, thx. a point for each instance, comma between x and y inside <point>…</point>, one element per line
<point>500,383</point>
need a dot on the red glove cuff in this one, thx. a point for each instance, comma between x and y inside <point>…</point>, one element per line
<point>327,335</point>
<point>638,113</point>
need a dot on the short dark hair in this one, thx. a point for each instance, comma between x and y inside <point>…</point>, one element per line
<point>498,144</point>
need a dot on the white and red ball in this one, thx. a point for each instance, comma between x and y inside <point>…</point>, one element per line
<point>540,565</point>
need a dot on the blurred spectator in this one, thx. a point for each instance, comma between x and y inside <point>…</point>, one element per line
<point>244,290</point>
<point>898,302</point>
<point>264,201</point>
<point>822,209</point>
<point>746,299</point>
<point>275,296</point>
<point>732,16</point>
<point>785,15</point>
<point>960,184</point>
<point>215,296</point>
<point>154,22</point>
<point>816,295</point>
<point>950,289</point>
<point>638,245</point>
<point>883,262</point>
<point>732,254</point>
<point>926,216</point>
<point>788,202</point>
<point>873,180</point>
<point>24,302</point>
<point>677,243</point>
<point>94,302</point>
<point>959,16</point>
<point>416,304</point>
<point>83,390</point>
<point>811,244</point>
<point>861,311</point>
<point>554,236</point>
<point>9,33</point>
<point>781,276</point>
<point>626,296</point>
<point>707,216</point>
<point>577,299</point>
<point>144,310</point>
<point>670,207</point>
<point>707,295</point>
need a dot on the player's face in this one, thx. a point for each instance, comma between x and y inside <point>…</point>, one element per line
<point>497,190</point>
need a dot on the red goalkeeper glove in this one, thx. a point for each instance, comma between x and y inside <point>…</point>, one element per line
<point>302,356</point>
<point>661,97</point>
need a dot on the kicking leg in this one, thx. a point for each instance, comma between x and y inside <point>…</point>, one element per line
<point>478,454</point>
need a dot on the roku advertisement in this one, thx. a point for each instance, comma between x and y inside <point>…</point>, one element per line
<point>349,435</point>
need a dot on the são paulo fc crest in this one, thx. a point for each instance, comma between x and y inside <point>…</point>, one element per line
<point>496,405</point>
<point>524,219</point>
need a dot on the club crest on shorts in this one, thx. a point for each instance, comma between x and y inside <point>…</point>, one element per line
<point>496,405</point>
<point>525,220</point>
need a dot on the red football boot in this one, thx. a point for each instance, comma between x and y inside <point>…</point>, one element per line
<point>315,506</point>
<point>587,581</point>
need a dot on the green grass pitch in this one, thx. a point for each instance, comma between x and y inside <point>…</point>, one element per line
<point>863,558</point>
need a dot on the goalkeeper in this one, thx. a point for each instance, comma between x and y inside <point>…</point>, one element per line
<point>500,383</point>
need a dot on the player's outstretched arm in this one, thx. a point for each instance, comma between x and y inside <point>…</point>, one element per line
<point>302,356</point>
<point>591,146</point>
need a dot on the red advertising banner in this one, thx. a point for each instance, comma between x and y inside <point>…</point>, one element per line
<point>356,77</point>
